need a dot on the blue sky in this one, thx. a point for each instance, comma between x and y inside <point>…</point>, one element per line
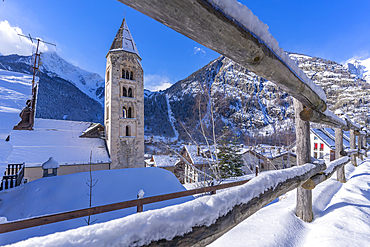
<point>84,30</point>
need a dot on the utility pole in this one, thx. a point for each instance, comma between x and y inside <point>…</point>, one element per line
<point>35,68</point>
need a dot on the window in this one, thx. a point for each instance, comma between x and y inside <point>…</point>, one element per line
<point>126,74</point>
<point>107,113</point>
<point>129,115</point>
<point>315,137</point>
<point>315,155</point>
<point>128,130</point>
<point>124,92</point>
<point>321,155</point>
<point>130,92</point>
<point>332,155</point>
<point>321,146</point>
<point>124,112</point>
<point>315,145</point>
<point>107,75</point>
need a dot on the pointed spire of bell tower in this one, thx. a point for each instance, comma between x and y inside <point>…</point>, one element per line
<point>124,40</point>
<point>124,102</point>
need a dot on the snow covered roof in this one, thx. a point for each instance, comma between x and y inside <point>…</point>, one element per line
<point>327,136</point>
<point>50,164</point>
<point>198,159</point>
<point>58,139</point>
<point>124,40</point>
<point>165,160</point>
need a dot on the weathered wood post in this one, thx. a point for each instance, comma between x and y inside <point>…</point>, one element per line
<point>364,143</point>
<point>352,143</point>
<point>359,143</point>
<point>304,197</point>
<point>338,148</point>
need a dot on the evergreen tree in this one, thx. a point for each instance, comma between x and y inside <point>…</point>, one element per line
<point>230,159</point>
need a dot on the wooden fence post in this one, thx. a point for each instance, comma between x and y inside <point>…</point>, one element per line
<point>304,197</point>
<point>359,143</point>
<point>352,143</point>
<point>364,144</point>
<point>341,177</point>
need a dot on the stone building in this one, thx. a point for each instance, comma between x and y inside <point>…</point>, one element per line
<point>124,102</point>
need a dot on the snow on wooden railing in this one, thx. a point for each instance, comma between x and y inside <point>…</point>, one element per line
<point>43,220</point>
<point>207,217</point>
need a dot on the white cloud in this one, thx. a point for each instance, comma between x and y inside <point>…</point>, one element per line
<point>12,43</point>
<point>157,82</point>
<point>199,50</point>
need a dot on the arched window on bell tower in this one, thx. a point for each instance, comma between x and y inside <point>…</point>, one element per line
<point>124,112</point>
<point>129,115</point>
<point>124,91</point>
<point>128,130</point>
<point>130,92</point>
<point>131,75</point>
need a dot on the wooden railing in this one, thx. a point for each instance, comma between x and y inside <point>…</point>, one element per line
<point>13,176</point>
<point>43,220</point>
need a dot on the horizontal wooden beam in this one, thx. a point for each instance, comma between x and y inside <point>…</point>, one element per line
<point>327,118</point>
<point>202,22</point>
<point>204,235</point>
<point>319,178</point>
<point>52,218</point>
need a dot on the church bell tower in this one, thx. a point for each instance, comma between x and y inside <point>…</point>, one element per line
<point>124,102</point>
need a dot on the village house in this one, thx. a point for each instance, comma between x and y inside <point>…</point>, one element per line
<point>167,162</point>
<point>201,159</point>
<point>323,143</point>
<point>70,143</point>
<point>268,158</point>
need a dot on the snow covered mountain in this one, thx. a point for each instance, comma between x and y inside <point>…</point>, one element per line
<point>250,105</point>
<point>92,84</point>
<point>361,68</point>
<point>65,91</point>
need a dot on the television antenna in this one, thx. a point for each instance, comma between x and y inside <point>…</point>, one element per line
<point>35,68</point>
<point>36,63</point>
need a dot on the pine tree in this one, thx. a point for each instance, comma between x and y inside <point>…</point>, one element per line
<point>230,159</point>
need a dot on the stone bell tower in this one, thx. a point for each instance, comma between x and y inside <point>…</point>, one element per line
<point>124,102</point>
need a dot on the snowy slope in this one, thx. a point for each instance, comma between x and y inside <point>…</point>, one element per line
<point>69,192</point>
<point>91,84</point>
<point>341,217</point>
<point>361,68</point>
<point>69,93</point>
<point>15,89</point>
<point>341,213</point>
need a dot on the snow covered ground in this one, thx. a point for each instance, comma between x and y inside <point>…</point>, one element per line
<point>341,212</point>
<point>341,217</point>
<point>70,192</point>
